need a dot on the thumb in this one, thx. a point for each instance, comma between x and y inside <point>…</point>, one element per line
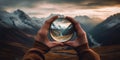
<point>57,43</point>
<point>69,43</point>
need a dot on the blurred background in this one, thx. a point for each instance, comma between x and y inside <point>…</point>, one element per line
<point>21,19</point>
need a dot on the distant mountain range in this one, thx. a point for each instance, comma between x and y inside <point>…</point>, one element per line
<point>108,32</point>
<point>13,38</point>
<point>19,19</point>
<point>30,25</point>
<point>17,30</point>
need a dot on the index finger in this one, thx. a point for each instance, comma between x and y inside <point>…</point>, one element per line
<point>76,24</point>
<point>48,22</point>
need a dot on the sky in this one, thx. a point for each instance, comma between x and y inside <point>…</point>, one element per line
<point>43,8</point>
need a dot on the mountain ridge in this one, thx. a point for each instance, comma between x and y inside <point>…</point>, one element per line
<point>108,32</point>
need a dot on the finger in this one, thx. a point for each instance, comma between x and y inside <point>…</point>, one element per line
<point>57,43</point>
<point>71,20</point>
<point>44,29</point>
<point>48,22</point>
<point>69,43</point>
<point>54,44</point>
<point>76,24</point>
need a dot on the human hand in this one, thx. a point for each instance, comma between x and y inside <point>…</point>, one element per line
<point>81,35</point>
<point>42,35</point>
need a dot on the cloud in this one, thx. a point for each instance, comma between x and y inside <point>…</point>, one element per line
<point>17,3</point>
<point>43,8</point>
<point>83,3</point>
<point>88,2</point>
<point>104,3</point>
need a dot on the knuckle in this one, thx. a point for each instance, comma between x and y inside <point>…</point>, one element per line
<point>77,23</point>
<point>46,22</point>
<point>41,33</point>
<point>84,32</point>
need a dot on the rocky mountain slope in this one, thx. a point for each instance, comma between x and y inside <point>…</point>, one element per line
<point>17,30</point>
<point>108,32</point>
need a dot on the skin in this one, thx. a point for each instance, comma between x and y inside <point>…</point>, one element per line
<point>80,44</point>
<point>81,39</point>
<point>43,33</point>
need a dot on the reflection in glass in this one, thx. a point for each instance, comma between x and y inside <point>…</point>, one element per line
<point>61,30</point>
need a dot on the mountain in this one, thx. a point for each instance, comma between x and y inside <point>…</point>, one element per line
<point>24,18</point>
<point>86,22</point>
<point>17,30</point>
<point>16,34</point>
<point>108,32</point>
<point>20,20</point>
<point>12,42</point>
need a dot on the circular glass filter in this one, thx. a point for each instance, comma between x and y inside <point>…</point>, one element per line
<point>61,30</point>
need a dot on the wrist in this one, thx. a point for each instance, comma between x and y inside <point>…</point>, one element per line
<point>82,47</point>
